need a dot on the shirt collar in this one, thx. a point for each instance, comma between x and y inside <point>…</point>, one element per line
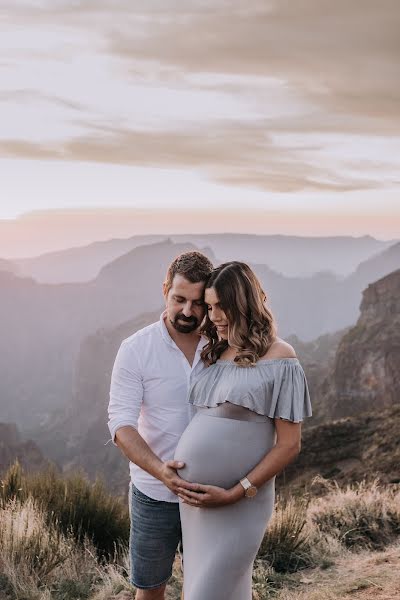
<point>164,331</point>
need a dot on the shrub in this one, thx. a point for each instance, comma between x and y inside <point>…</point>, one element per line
<point>360,516</point>
<point>79,507</point>
<point>11,485</point>
<point>39,562</point>
<point>70,589</point>
<point>31,549</point>
<point>286,542</point>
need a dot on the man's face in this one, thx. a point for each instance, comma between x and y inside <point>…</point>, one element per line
<point>185,304</point>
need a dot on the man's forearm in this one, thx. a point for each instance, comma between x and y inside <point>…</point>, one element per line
<point>131,443</point>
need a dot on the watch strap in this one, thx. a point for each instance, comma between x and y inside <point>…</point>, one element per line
<point>246,483</point>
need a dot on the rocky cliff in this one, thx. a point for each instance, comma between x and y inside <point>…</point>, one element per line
<point>317,358</point>
<point>366,371</point>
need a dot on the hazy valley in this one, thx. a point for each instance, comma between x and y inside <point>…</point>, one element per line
<point>60,341</point>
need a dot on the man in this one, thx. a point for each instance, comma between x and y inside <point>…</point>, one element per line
<point>148,412</point>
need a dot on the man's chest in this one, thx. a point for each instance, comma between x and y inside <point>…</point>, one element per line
<point>167,377</point>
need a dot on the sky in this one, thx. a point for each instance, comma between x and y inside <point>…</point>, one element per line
<point>235,110</point>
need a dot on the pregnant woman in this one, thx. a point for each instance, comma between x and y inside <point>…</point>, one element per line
<point>248,406</point>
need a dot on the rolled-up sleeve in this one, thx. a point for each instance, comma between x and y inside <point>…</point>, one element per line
<point>126,390</point>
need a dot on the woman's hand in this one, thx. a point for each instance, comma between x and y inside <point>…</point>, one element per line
<point>207,496</point>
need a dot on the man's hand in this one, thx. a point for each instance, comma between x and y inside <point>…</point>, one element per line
<point>170,477</point>
<point>207,496</point>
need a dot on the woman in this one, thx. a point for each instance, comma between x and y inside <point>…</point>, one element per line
<point>248,407</point>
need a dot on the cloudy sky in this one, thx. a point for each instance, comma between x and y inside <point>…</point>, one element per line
<point>288,108</point>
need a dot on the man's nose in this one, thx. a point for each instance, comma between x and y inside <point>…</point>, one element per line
<point>187,309</point>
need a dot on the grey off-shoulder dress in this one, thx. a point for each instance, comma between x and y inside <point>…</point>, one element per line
<point>231,431</point>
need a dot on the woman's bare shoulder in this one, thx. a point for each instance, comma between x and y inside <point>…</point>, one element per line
<point>280,349</point>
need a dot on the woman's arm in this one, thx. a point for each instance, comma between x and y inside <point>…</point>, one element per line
<point>286,449</point>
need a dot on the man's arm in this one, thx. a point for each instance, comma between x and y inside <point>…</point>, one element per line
<point>126,398</point>
<point>136,449</point>
<point>126,390</point>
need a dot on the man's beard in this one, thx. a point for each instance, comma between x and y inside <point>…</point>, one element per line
<point>191,323</point>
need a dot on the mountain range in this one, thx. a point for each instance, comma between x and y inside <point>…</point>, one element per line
<point>289,255</point>
<point>44,325</point>
<point>349,434</point>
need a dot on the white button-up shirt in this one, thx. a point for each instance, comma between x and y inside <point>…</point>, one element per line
<point>149,389</point>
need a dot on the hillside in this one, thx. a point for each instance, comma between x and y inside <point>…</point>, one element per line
<point>43,326</point>
<point>82,427</point>
<point>83,263</point>
<point>57,318</point>
<point>339,546</point>
<point>12,447</point>
<point>340,255</point>
<point>348,450</point>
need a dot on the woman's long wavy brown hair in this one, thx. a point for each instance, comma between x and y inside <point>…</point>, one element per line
<point>251,326</point>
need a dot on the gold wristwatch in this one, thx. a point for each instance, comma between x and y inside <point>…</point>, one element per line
<point>250,490</point>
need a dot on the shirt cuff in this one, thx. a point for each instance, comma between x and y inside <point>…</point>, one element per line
<point>114,426</point>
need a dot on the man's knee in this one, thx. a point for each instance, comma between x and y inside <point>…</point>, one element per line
<point>153,594</point>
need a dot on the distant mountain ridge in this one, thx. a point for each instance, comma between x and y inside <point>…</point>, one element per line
<point>289,255</point>
<point>323,303</point>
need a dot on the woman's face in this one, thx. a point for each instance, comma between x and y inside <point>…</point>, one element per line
<point>215,313</point>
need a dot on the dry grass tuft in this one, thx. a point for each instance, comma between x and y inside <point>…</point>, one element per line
<point>39,561</point>
<point>286,544</point>
<point>81,508</point>
<point>361,576</point>
<point>359,516</point>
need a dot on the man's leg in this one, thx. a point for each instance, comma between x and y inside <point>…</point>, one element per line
<point>154,594</point>
<point>155,535</point>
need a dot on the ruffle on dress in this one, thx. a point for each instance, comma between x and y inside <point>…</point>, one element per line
<point>275,387</point>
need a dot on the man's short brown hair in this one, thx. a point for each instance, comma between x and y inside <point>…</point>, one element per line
<point>194,266</point>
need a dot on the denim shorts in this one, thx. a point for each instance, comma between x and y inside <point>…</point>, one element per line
<point>154,538</point>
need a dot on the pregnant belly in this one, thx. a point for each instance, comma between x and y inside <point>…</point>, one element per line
<point>220,451</point>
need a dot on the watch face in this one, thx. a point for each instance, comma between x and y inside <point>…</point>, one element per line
<point>251,491</point>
